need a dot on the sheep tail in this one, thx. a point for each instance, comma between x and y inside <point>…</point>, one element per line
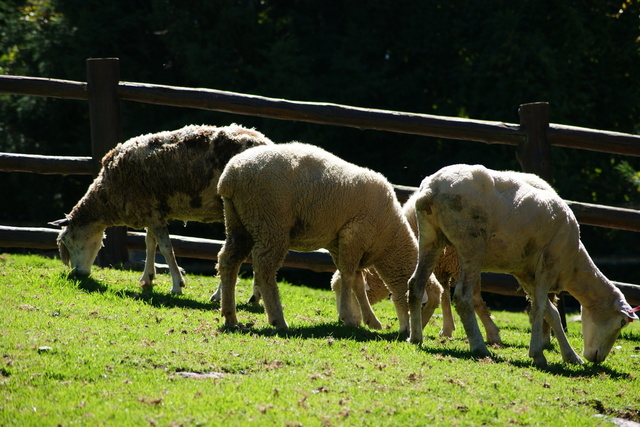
<point>425,201</point>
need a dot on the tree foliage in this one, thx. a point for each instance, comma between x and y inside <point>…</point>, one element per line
<point>457,58</point>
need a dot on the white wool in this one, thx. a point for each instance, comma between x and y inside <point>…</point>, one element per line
<point>512,222</point>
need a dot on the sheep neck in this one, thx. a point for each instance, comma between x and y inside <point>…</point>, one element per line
<point>94,208</point>
<point>587,283</point>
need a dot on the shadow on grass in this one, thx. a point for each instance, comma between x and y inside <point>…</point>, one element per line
<point>333,330</point>
<point>338,331</point>
<point>155,299</point>
<point>588,370</point>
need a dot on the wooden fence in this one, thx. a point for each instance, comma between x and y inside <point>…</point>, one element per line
<point>533,137</point>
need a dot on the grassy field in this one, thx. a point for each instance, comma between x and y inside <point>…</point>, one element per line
<point>99,351</point>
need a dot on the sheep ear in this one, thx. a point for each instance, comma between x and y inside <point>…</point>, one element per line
<point>631,313</point>
<point>60,223</point>
<point>623,306</point>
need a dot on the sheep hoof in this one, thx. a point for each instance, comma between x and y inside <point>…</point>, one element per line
<point>494,339</point>
<point>146,286</point>
<point>254,300</point>
<point>279,324</point>
<point>374,324</point>
<point>403,336</point>
<point>349,320</point>
<point>230,318</point>
<point>573,359</point>
<point>377,326</point>
<point>448,333</point>
<point>480,351</point>
<point>230,324</point>
<point>215,297</point>
<point>540,361</point>
<point>415,339</point>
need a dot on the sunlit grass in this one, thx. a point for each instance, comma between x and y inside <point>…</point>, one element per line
<point>99,351</point>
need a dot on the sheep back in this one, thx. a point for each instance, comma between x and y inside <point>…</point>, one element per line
<point>165,175</point>
<point>517,216</point>
<point>314,195</point>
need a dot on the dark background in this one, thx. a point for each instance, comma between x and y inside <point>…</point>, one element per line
<point>456,58</point>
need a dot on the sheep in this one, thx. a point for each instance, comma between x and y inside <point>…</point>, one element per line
<point>301,197</point>
<point>515,223</point>
<point>446,272</point>
<point>147,181</point>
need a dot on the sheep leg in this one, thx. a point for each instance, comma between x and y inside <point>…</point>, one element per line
<point>166,249</point>
<point>416,285</point>
<point>552,316</point>
<point>233,253</point>
<point>254,299</point>
<point>347,258</point>
<point>546,327</point>
<point>266,261</point>
<point>255,295</point>
<point>537,310</point>
<point>492,331</point>
<point>448,326</point>
<point>428,253</point>
<point>365,309</point>
<point>396,280</point>
<point>463,299</point>
<point>149,273</point>
<point>434,295</point>
<point>346,311</point>
<point>216,295</point>
<point>354,307</point>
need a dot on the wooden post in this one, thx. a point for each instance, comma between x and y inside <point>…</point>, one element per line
<point>534,155</point>
<point>103,75</point>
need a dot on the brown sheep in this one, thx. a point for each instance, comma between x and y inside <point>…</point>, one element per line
<point>147,181</point>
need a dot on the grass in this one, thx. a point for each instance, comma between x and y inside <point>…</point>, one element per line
<point>98,351</point>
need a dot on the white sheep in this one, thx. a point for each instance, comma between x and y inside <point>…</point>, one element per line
<point>445,272</point>
<point>298,196</point>
<point>147,181</point>
<point>514,223</point>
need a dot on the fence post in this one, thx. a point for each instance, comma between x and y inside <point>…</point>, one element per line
<point>534,155</point>
<point>103,75</point>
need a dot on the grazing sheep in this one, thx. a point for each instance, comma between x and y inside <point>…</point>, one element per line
<point>446,273</point>
<point>514,223</point>
<point>147,181</point>
<point>297,196</point>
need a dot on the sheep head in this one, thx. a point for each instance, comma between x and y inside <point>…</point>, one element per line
<point>79,245</point>
<point>601,327</point>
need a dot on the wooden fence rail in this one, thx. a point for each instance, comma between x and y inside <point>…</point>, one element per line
<point>586,213</point>
<point>332,114</point>
<point>533,136</point>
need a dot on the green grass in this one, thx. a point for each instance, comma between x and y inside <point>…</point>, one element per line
<point>99,351</point>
